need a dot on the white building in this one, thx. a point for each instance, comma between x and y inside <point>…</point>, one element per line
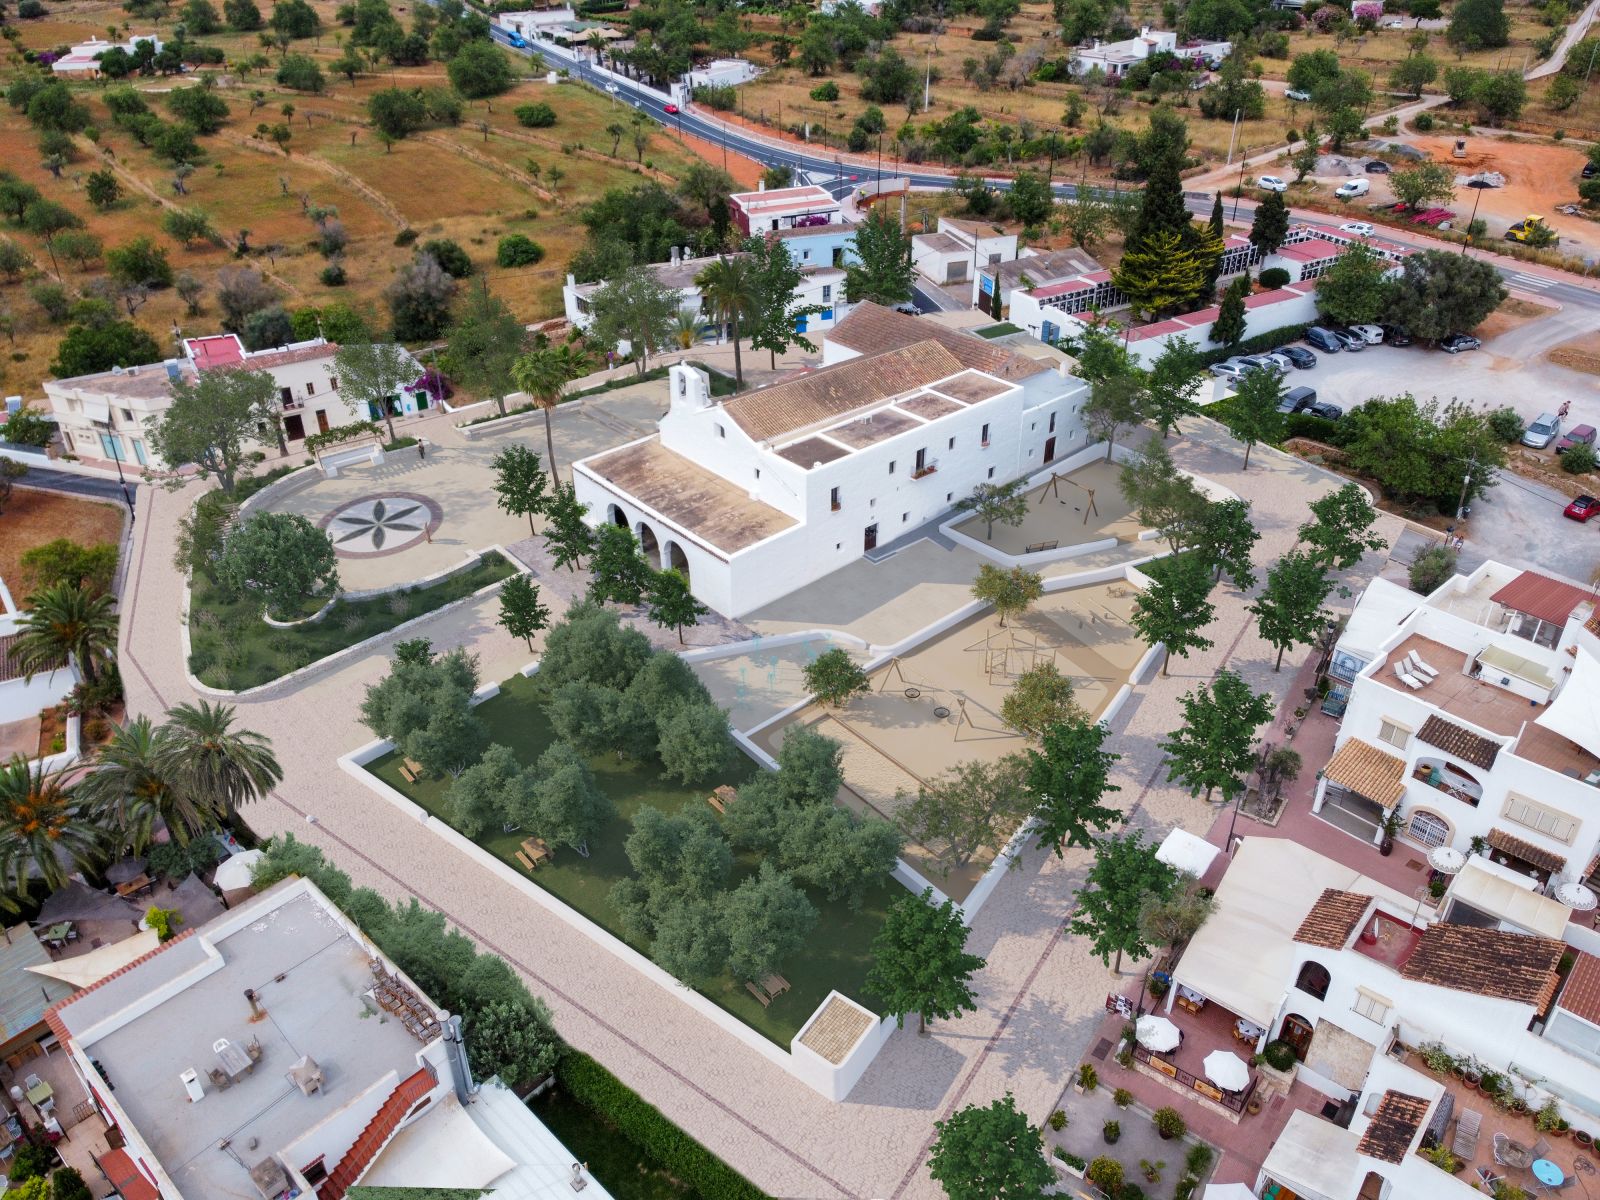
<point>957,251</point>
<point>760,494</point>
<point>1114,58</point>
<point>1476,714</point>
<point>871,7</point>
<point>528,25</point>
<point>105,416</point>
<point>275,1052</point>
<point>765,210</point>
<point>84,58</point>
<point>723,72</point>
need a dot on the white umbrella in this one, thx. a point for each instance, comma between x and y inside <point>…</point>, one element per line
<point>1446,860</point>
<point>1227,1191</point>
<point>1226,1070</point>
<point>1157,1033</point>
<point>234,872</point>
<point>1576,897</point>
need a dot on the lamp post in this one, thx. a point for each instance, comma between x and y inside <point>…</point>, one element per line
<point>116,457</point>
<point>1474,219</point>
<point>1244,159</point>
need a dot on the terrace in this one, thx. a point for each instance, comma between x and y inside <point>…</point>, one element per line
<point>1071,509</point>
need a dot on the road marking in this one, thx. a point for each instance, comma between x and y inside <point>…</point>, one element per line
<point>1532,281</point>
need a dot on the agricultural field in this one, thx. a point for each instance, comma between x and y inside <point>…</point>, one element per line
<point>473,183</point>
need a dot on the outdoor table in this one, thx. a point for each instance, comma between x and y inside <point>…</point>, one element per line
<point>56,935</point>
<point>1547,1173</point>
<point>235,1061</point>
<point>40,1093</point>
<point>134,886</point>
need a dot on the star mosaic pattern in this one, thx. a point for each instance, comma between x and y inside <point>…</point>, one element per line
<point>387,522</point>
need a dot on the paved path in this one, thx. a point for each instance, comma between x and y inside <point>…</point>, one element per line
<point>1040,997</point>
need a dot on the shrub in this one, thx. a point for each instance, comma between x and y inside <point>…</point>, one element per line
<point>1058,1120</point>
<point>405,237</point>
<point>1106,1174</point>
<point>1270,340</point>
<point>1198,1161</point>
<point>1088,1077</point>
<point>1169,1124</point>
<point>67,1184</point>
<point>591,1085</point>
<point>535,116</point>
<point>333,275</point>
<point>1431,568</point>
<point>1422,122</point>
<point>518,250</point>
<point>1579,459</point>
<point>1122,1097</point>
<point>29,9</point>
<point>1274,277</point>
<point>32,1162</point>
<point>1507,425</point>
<point>723,99</point>
<point>1280,1056</point>
<point>452,259</point>
<point>825,91</point>
<point>1318,429</point>
<point>1072,1160</point>
<point>1111,1131</point>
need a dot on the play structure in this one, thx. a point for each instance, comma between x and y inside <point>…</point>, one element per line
<point>1053,488</point>
<point>914,693</point>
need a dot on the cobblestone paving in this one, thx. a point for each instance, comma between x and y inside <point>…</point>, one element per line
<point>1039,998</point>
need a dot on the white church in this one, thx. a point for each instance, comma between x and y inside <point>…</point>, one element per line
<point>757,495</point>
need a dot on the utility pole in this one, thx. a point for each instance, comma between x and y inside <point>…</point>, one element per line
<point>1466,482</point>
<point>1233,137</point>
<point>1465,241</point>
<point>927,74</point>
<point>1244,160</point>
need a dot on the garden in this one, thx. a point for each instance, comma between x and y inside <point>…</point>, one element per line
<point>1122,1147</point>
<point>613,764</point>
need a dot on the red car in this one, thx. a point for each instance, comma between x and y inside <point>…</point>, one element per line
<point>671,108</point>
<point>1582,508</point>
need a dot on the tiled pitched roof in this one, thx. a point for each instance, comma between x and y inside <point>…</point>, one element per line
<point>1540,596</point>
<point>1332,919</point>
<point>838,390</point>
<point>1363,768</point>
<point>1536,856</point>
<point>1396,1122</point>
<point>1506,966</point>
<point>1581,996</point>
<point>871,329</point>
<point>377,1134</point>
<point>1458,742</point>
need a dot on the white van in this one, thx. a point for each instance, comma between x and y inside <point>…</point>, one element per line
<point>1352,189</point>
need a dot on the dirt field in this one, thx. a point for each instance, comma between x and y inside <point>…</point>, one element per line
<point>1510,315</point>
<point>1579,354</point>
<point>1537,176</point>
<point>34,517</point>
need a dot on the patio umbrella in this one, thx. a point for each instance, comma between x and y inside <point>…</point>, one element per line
<point>1227,1191</point>
<point>124,870</point>
<point>1446,860</point>
<point>234,873</point>
<point>1576,897</point>
<point>1157,1033</point>
<point>1225,1069</point>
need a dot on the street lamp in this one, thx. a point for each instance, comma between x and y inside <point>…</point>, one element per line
<point>1474,219</point>
<point>116,457</point>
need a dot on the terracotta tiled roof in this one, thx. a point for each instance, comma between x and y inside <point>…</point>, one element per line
<point>1506,966</point>
<point>1540,596</point>
<point>1396,1122</point>
<point>1536,856</point>
<point>377,1133</point>
<point>125,1176</point>
<point>1581,996</point>
<point>1332,919</point>
<point>1365,769</point>
<point>1458,742</point>
<point>839,390</point>
<point>871,329</point>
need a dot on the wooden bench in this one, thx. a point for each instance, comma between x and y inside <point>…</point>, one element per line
<point>721,798</point>
<point>525,860</point>
<point>775,985</point>
<point>407,773</point>
<point>1041,547</point>
<point>537,850</point>
<point>761,997</point>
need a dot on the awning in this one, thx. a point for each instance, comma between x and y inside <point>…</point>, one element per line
<point>1185,852</point>
<point>1494,659</point>
<point>1368,771</point>
<point>1481,885</point>
<point>1573,713</point>
<point>98,411</point>
<point>1315,1158</point>
<point>235,871</point>
<point>1534,856</point>
<point>129,1181</point>
<point>86,970</point>
<point>1540,596</point>
<point>448,1150</point>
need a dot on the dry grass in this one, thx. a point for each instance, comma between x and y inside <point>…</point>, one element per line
<point>1580,354</point>
<point>34,517</point>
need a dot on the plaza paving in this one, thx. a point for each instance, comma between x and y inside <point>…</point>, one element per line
<point>1039,999</point>
<point>1081,506</point>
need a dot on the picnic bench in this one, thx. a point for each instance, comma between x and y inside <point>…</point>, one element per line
<point>536,850</point>
<point>768,989</point>
<point>1041,547</point>
<point>526,862</point>
<point>411,770</point>
<point>722,797</point>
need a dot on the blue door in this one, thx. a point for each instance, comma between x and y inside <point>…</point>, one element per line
<point>111,444</point>
<point>1049,332</point>
<point>800,323</point>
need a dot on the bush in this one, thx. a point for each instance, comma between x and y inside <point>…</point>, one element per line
<point>1122,1097</point>
<point>1578,460</point>
<point>1270,340</point>
<point>535,116</point>
<point>405,237</point>
<point>1106,1174</point>
<point>1198,1161</point>
<point>29,9</point>
<point>1318,429</point>
<point>1507,425</point>
<point>452,259</point>
<point>1058,1120</point>
<point>1280,1055</point>
<point>591,1085</point>
<point>32,1162</point>
<point>1431,568</point>
<point>518,250</point>
<point>1422,122</point>
<point>67,1184</point>
<point>333,275</point>
<point>1274,277</point>
<point>1169,1124</point>
<point>723,99</point>
<point>1111,1131</point>
<point>1088,1077</point>
<point>825,91</point>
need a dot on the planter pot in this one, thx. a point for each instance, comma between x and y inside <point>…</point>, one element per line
<point>1520,1107</point>
<point>1386,847</point>
<point>1166,1137</point>
<point>1253,1107</point>
<point>1111,1141</point>
<point>1582,1138</point>
<point>1468,1082</point>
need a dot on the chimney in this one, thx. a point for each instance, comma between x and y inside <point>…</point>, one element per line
<point>191,1084</point>
<point>761,185</point>
<point>256,1011</point>
<point>456,1054</point>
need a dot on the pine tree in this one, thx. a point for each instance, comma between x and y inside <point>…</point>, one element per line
<point>1271,224</point>
<point>1228,328</point>
<point>1159,275</point>
<point>1219,233</point>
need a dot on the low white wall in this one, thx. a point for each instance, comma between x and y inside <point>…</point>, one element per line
<point>844,1076</point>
<point>21,698</point>
<point>296,480</point>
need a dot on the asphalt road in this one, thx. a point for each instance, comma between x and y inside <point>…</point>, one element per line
<point>78,485</point>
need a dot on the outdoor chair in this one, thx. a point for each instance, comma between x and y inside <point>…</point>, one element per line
<point>1421,669</point>
<point>1407,678</point>
<point>1465,1145</point>
<point>1541,1148</point>
<point>1488,1178</point>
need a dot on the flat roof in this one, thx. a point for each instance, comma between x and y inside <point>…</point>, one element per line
<point>312,979</point>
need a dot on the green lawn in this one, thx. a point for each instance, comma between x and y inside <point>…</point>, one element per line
<point>837,953</point>
<point>232,647</point>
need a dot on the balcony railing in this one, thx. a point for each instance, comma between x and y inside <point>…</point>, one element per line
<point>1232,1101</point>
<point>926,469</point>
<point>292,405</point>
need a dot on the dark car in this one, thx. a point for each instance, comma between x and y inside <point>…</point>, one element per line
<point>1350,340</point>
<point>1457,342</point>
<point>1296,399</point>
<point>1328,412</point>
<point>1302,358</point>
<point>1377,167</point>
<point>1589,170</point>
<point>1582,508</point>
<point>1578,435</point>
<point>1395,336</point>
<point>1323,340</point>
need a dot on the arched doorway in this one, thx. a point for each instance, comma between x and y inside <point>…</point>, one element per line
<point>1314,980</point>
<point>1297,1032</point>
<point>649,544</point>
<point>616,516</point>
<point>677,559</point>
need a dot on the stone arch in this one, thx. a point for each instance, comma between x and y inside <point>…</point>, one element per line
<point>650,544</point>
<point>1314,979</point>
<point>615,516</point>
<point>672,556</point>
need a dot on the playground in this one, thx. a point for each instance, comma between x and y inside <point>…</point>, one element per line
<point>1069,509</point>
<point>939,705</point>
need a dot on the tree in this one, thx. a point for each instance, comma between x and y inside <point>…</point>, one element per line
<point>211,419</point>
<point>1253,416</point>
<point>669,602</point>
<point>372,373</point>
<point>62,560</point>
<point>1563,92</point>
<point>568,807</point>
<point>1289,609</point>
<point>45,219</point>
<point>1315,67</point>
<point>91,348</point>
<point>1173,610</point>
<point>694,744</point>
<point>515,1042</point>
<point>198,106</point>
<point>1126,872</point>
<point>1413,73</point>
<point>65,622</point>
<point>730,288</point>
<point>221,767</point>
<point>1355,290</point>
<point>1431,569</point>
<point>301,73</point>
<point>1159,273</point>
<point>1224,540</point>
<point>485,344</point>
<point>1006,503</point>
<point>1271,223</point>
<point>1114,404</point>
<point>1478,25</point>
<point>1172,384</point>
<point>14,260</point>
<point>882,271</point>
<point>618,570</point>
<point>1341,531</point>
<point>776,314</point>
<point>636,307</point>
<point>1030,198</point>
<point>480,69</point>
<point>1070,774</point>
<point>1439,293</point>
<point>452,259</point>
<point>397,112</point>
<point>1212,749</point>
<point>43,833</point>
<point>567,536</point>
<point>139,262</point>
<point>990,1153</point>
<point>1422,453</point>
<point>1041,698</point>
<point>491,792</point>
<point>520,482</point>
<point>281,556</point>
<point>1011,593</point>
<point>973,805</point>
<point>266,328</point>
<point>1423,184</point>
<point>1163,497</point>
<point>544,374</point>
<point>419,300</point>
<point>920,962</point>
<point>241,291</point>
<point>1229,327</point>
<point>521,614</point>
<point>833,677</point>
<point>79,246</point>
<point>767,919</point>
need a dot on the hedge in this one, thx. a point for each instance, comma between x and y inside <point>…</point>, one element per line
<point>1270,340</point>
<point>597,1089</point>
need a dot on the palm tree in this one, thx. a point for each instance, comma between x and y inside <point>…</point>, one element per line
<point>132,788</point>
<point>544,374</point>
<point>215,766</point>
<point>65,622</point>
<point>729,287</point>
<point>686,328</point>
<point>40,823</point>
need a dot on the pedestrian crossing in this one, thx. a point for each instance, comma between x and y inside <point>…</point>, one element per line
<point>1519,279</point>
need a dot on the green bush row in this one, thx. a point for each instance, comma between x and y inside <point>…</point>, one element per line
<point>596,1088</point>
<point>1270,340</point>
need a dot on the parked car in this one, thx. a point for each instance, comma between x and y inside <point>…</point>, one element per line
<point>1377,167</point>
<point>669,109</point>
<point>1232,369</point>
<point>1324,340</point>
<point>1582,508</point>
<point>1296,399</point>
<point>1352,342</point>
<point>1358,228</point>
<point>1394,23</point>
<point>1271,183</point>
<point>1352,189</point>
<point>1299,356</point>
<point>1590,170</point>
<point>1328,412</point>
<point>1395,336</point>
<point>1541,431</point>
<point>1278,360</point>
<point>1371,334</point>
<point>1297,94</point>
<point>1457,342</point>
<point>1578,435</point>
<point>1262,362</point>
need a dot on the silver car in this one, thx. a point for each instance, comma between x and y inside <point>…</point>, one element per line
<point>1542,431</point>
<point>1231,369</point>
